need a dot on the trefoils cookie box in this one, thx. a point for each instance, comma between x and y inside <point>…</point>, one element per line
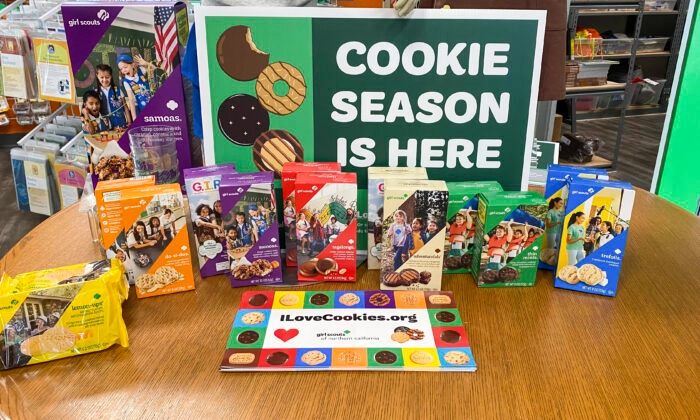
<point>411,260</point>
<point>556,193</point>
<point>136,48</point>
<point>133,221</point>
<point>375,206</point>
<point>251,228</point>
<point>202,186</point>
<point>593,242</point>
<point>289,176</point>
<point>326,228</point>
<point>508,238</point>
<point>461,223</point>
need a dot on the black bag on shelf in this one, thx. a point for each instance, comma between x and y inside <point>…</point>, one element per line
<point>578,148</point>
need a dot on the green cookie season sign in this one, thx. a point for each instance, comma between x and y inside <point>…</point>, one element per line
<point>450,90</point>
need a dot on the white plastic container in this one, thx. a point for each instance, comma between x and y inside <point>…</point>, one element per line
<point>648,45</point>
<point>659,5</point>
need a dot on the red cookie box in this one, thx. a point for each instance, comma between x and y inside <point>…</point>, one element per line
<point>328,251</point>
<point>290,170</point>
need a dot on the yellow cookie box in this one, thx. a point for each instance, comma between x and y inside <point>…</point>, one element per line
<point>69,311</point>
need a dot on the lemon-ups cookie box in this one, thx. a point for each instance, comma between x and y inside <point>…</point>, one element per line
<point>412,258</point>
<point>508,238</point>
<point>251,229</point>
<point>56,313</point>
<point>375,206</point>
<point>134,222</point>
<point>461,223</point>
<point>596,226</point>
<point>556,193</point>
<point>326,228</point>
<point>289,177</point>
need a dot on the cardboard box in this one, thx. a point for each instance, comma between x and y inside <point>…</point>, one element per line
<point>158,262</point>
<point>252,232</point>
<point>462,209</point>
<point>508,238</point>
<point>202,185</point>
<point>326,229</point>
<point>556,193</point>
<point>590,255</point>
<point>411,260</point>
<point>289,176</point>
<point>375,206</point>
<point>118,35</point>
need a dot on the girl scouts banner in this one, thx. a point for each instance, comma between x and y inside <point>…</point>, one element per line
<point>453,91</point>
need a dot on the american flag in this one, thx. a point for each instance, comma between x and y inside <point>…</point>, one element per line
<point>166,37</point>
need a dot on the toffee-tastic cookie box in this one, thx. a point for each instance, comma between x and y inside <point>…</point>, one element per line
<point>412,258</point>
<point>139,46</point>
<point>145,227</point>
<point>202,186</point>
<point>289,176</point>
<point>596,226</point>
<point>461,223</point>
<point>375,206</point>
<point>556,192</point>
<point>508,238</point>
<point>251,228</point>
<point>326,228</point>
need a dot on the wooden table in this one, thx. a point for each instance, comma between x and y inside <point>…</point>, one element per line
<point>541,352</point>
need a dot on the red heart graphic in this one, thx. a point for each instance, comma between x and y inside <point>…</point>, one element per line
<point>286,335</point>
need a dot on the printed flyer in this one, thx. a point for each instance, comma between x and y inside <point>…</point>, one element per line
<point>55,76</point>
<point>348,330</point>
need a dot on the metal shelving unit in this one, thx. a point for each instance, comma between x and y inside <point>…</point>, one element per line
<point>626,9</point>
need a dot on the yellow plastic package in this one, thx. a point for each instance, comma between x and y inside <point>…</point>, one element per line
<point>57,313</point>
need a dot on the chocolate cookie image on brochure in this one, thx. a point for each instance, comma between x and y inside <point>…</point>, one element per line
<point>296,88</point>
<point>273,148</point>
<point>242,119</point>
<point>238,56</point>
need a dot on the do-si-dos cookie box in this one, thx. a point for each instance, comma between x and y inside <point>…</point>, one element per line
<point>125,58</point>
<point>508,238</point>
<point>412,256</point>
<point>593,241</point>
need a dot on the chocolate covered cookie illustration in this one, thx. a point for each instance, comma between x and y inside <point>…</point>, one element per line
<point>274,148</point>
<point>242,119</point>
<point>238,55</point>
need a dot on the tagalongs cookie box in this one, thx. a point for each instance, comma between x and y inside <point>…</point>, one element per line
<point>326,228</point>
<point>113,38</point>
<point>251,228</point>
<point>412,257</point>
<point>461,225</point>
<point>289,177</point>
<point>508,238</point>
<point>375,206</point>
<point>596,226</point>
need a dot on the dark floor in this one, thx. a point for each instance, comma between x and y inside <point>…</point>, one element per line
<point>635,164</point>
<point>638,149</point>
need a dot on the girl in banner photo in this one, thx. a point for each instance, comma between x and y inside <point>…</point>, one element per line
<point>113,101</point>
<point>575,238</point>
<point>553,222</point>
<point>93,120</point>
<point>135,81</point>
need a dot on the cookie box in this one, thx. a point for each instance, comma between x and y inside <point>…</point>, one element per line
<point>145,227</point>
<point>596,226</point>
<point>62,312</point>
<point>289,176</point>
<point>136,48</point>
<point>508,238</point>
<point>375,206</point>
<point>202,186</point>
<point>251,228</point>
<point>462,210</point>
<point>411,258</point>
<point>326,227</point>
<point>556,192</point>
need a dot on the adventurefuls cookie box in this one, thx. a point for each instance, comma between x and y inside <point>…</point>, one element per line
<point>139,46</point>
